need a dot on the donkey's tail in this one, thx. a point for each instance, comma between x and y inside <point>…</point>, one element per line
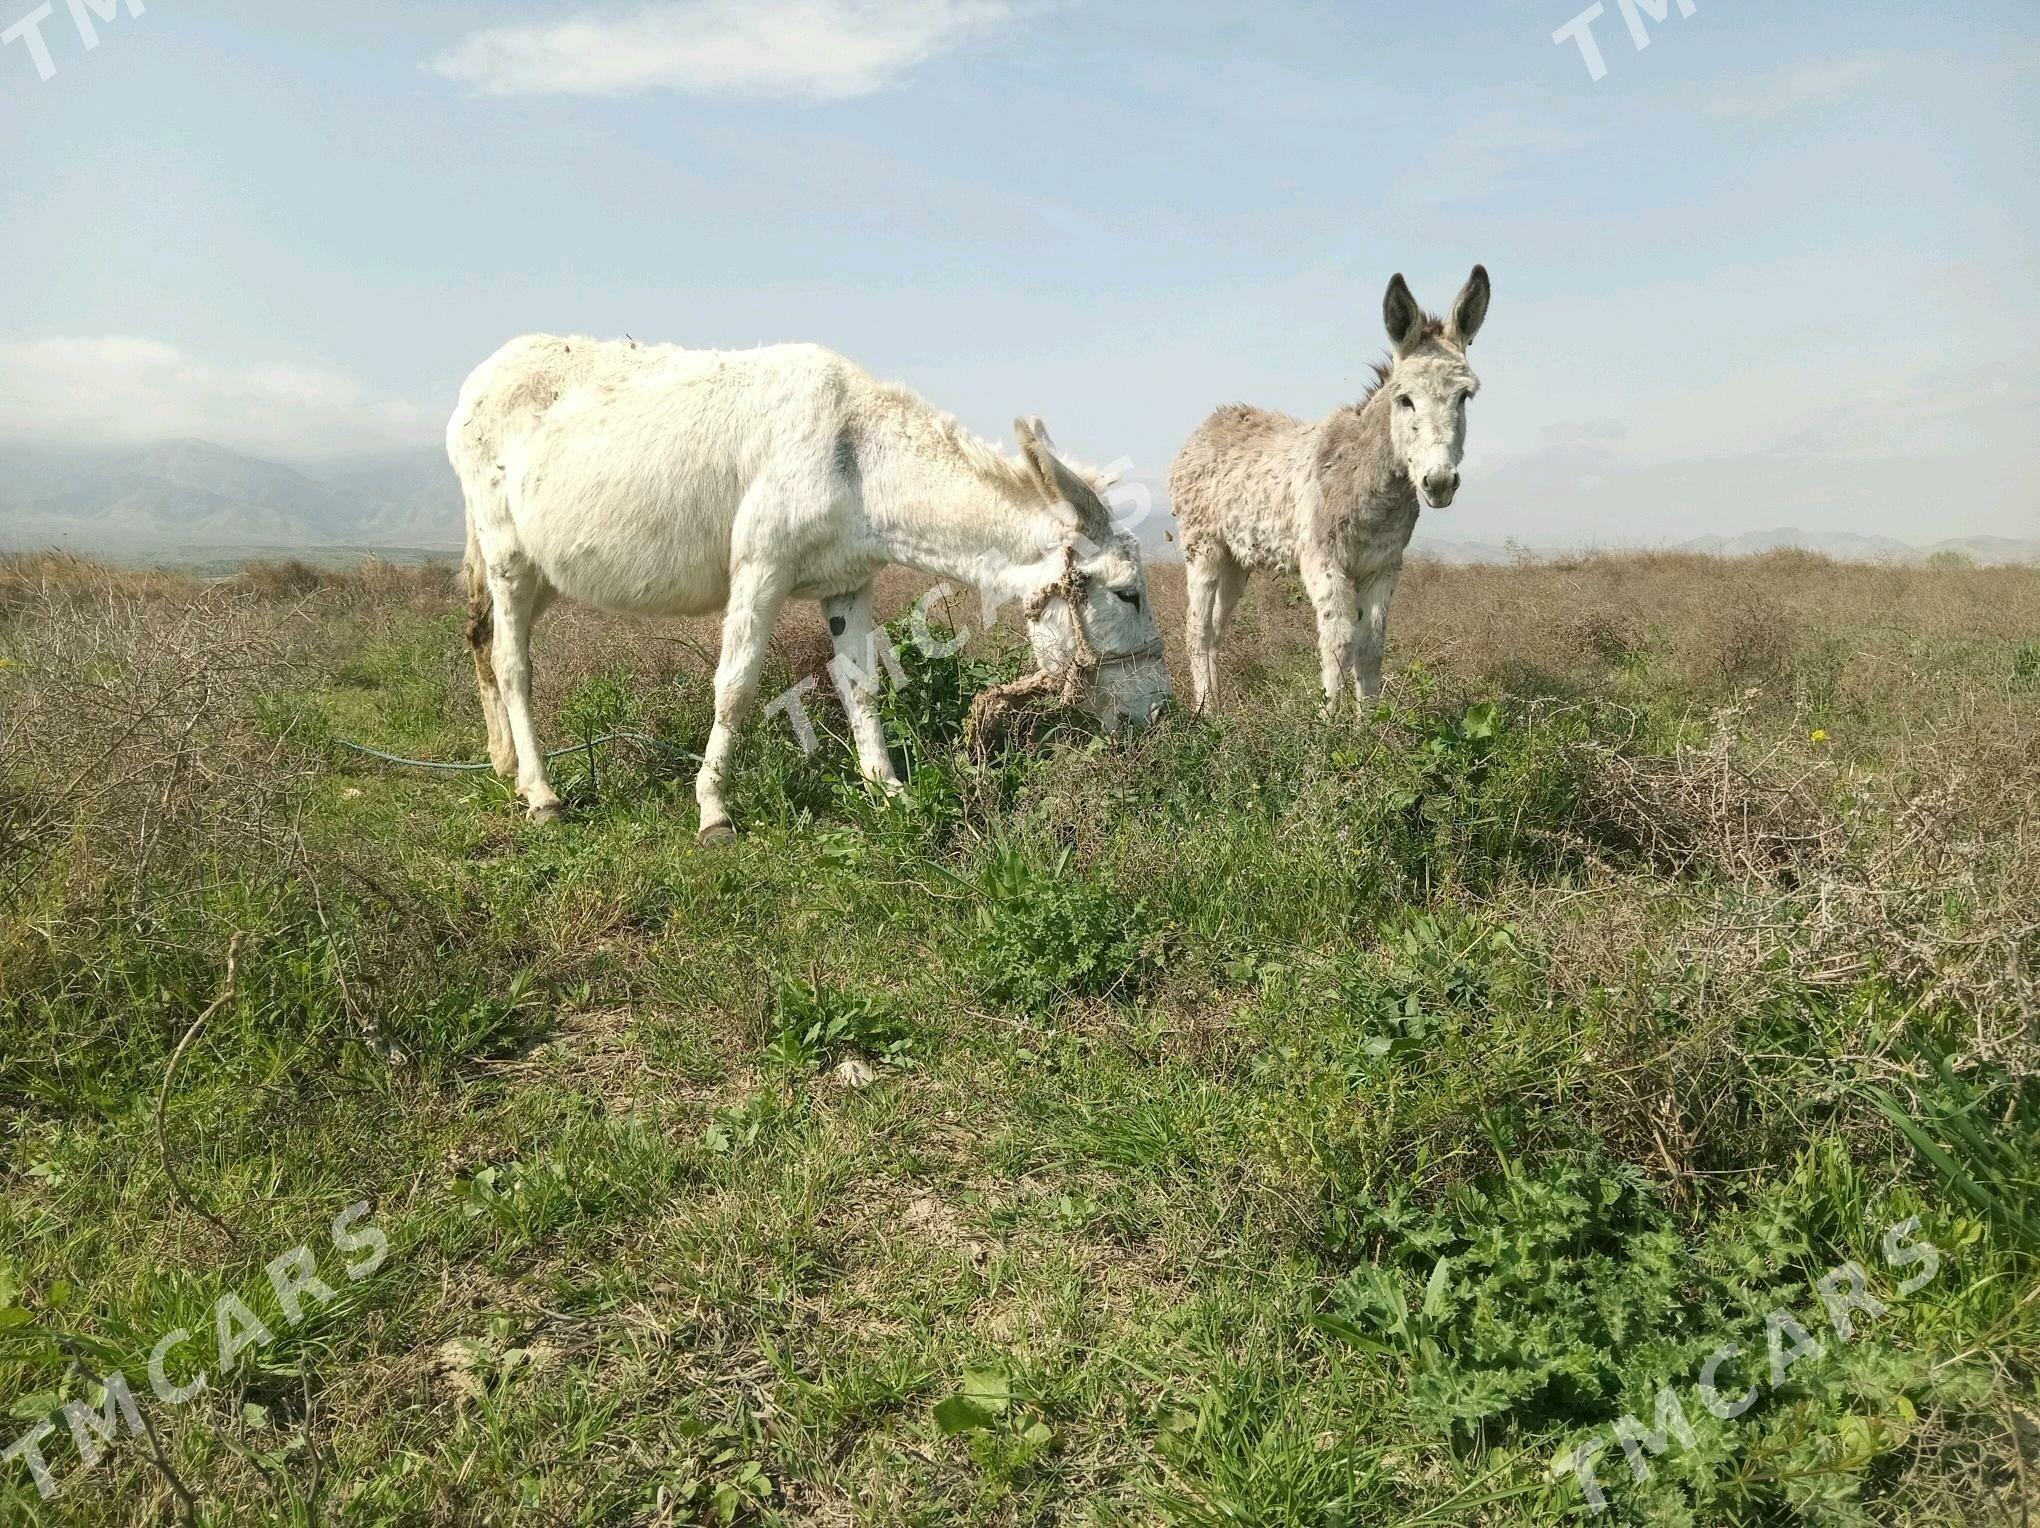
<point>481,605</point>
<point>481,641</point>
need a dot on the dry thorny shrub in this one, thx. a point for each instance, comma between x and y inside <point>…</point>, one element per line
<point>1706,806</point>
<point>1824,881</point>
<point>136,717</point>
<point>1941,899</point>
<point>373,581</point>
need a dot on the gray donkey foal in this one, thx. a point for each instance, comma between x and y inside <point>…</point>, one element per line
<point>1335,501</point>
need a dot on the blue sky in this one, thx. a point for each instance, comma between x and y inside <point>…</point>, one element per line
<point>1778,268</point>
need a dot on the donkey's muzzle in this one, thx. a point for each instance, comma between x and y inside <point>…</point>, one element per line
<point>1440,488</point>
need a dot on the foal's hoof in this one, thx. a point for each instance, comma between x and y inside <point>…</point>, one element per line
<point>544,813</point>
<point>716,834</point>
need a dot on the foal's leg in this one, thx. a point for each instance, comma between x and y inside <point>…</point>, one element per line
<point>1372,635</point>
<point>756,593</point>
<point>855,671</point>
<point>518,595</point>
<point>1202,578</point>
<point>1336,602</point>
<point>1232,579</point>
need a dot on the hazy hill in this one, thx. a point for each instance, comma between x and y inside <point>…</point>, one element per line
<point>189,498</point>
<point>1842,546</point>
<point>193,494</point>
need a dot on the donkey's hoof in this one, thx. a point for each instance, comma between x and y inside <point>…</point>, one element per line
<point>544,813</point>
<point>716,834</point>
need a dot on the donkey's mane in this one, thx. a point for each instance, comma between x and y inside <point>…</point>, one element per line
<point>1429,327</point>
<point>978,454</point>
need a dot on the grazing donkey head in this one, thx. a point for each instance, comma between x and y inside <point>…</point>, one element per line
<point>1428,384</point>
<point>1095,622</point>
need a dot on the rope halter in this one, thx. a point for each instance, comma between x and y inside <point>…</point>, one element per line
<point>1084,661</point>
<point>992,712</point>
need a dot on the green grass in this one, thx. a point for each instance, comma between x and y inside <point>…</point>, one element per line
<point>1270,1121</point>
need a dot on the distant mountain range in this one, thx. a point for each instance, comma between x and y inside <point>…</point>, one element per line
<point>146,503</point>
<point>189,500</point>
<point>1843,546</point>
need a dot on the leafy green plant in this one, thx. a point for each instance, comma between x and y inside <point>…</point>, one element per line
<point>515,1195</point>
<point>1006,1428</point>
<point>599,704</point>
<point>722,1482</point>
<point>926,711</point>
<point>457,1024</point>
<point>1519,1296</point>
<point>1047,934</point>
<point>1475,792</point>
<point>813,1025</point>
<point>743,1126</point>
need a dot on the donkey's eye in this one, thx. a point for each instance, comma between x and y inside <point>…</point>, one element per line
<point>1407,401</point>
<point>1129,596</point>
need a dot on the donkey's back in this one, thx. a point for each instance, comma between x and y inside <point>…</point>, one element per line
<point>627,475</point>
<point>601,386</point>
<point>1234,487</point>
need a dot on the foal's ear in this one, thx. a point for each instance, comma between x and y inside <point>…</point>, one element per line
<point>1063,490</point>
<point>1400,312</point>
<point>1469,309</point>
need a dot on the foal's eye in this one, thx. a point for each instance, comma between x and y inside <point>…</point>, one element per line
<point>1129,596</point>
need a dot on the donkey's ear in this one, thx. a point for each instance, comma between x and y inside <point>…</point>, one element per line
<point>1469,309</point>
<point>1063,489</point>
<point>1400,312</point>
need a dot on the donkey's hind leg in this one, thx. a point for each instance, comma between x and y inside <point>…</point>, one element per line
<point>1214,580</point>
<point>1232,578</point>
<point>1201,579</point>
<point>519,594</point>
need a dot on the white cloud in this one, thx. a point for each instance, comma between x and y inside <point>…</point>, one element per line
<point>1821,84</point>
<point>823,49</point>
<point>114,390</point>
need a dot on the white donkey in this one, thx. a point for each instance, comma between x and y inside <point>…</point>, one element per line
<point>1335,501</point>
<point>668,481</point>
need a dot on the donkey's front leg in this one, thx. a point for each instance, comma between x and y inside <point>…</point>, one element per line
<point>1371,635</point>
<point>756,593</point>
<point>860,649</point>
<point>1336,602</point>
